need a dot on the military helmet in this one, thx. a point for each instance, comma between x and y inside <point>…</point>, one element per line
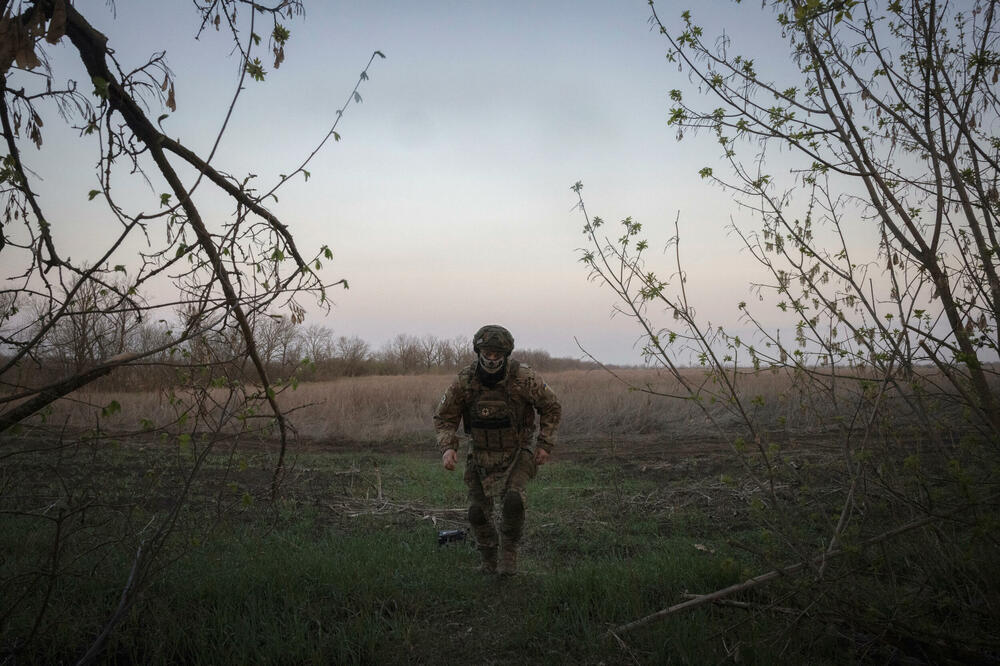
<point>493,336</point>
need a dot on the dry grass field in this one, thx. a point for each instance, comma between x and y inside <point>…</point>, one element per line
<point>603,414</point>
<point>596,405</point>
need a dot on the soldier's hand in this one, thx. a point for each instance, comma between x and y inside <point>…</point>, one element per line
<point>541,456</point>
<point>449,459</point>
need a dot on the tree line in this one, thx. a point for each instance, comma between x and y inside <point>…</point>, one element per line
<point>92,333</point>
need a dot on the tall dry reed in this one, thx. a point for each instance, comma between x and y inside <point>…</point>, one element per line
<point>379,408</point>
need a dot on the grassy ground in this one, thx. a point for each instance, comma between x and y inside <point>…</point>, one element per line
<point>642,507</point>
<point>346,568</point>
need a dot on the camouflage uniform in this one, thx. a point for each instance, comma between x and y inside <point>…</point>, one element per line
<point>500,422</point>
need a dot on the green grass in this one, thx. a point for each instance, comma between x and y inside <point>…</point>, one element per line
<point>390,596</point>
<point>332,574</point>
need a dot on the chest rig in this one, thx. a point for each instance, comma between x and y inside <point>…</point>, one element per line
<point>493,417</point>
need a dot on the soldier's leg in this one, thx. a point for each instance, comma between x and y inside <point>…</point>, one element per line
<point>512,511</point>
<point>513,515</point>
<point>481,520</point>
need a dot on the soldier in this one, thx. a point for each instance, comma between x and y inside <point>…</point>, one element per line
<point>496,399</point>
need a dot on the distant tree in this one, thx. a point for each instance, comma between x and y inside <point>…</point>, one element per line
<point>95,328</point>
<point>401,355</point>
<point>278,339</point>
<point>536,358</point>
<point>429,348</point>
<point>884,129</point>
<point>455,352</point>
<point>317,343</point>
<point>223,274</point>
<point>352,353</point>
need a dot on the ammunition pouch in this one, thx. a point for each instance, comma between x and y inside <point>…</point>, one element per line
<point>494,439</point>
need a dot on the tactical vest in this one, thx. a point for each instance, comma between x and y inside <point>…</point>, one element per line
<point>492,418</point>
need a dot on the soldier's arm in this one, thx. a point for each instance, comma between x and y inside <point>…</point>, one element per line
<point>448,415</point>
<point>549,412</point>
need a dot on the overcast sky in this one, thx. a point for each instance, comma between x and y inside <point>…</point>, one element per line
<point>447,202</point>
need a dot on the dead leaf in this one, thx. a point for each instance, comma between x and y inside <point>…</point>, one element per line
<point>57,26</point>
<point>37,26</point>
<point>8,42</point>
<point>25,56</point>
<point>171,100</point>
<point>702,547</point>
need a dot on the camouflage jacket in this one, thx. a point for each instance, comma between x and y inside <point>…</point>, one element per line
<point>524,392</point>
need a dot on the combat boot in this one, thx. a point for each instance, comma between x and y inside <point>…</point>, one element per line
<point>488,565</point>
<point>508,559</point>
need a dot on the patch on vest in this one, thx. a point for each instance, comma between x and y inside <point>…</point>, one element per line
<point>491,415</point>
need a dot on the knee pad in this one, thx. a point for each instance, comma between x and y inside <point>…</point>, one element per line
<point>477,516</point>
<point>513,505</point>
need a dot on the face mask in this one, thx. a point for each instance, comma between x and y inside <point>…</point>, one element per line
<point>490,366</point>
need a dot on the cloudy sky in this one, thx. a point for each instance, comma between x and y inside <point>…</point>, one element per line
<point>447,202</point>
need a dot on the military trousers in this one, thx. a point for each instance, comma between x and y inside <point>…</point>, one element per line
<point>492,475</point>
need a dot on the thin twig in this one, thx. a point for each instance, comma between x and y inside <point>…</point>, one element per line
<point>770,575</point>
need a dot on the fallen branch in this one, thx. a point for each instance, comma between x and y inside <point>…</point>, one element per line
<point>352,510</point>
<point>702,599</point>
<point>53,392</point>
<point>749,606</point>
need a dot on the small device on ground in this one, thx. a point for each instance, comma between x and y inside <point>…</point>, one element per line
<point>449,536</point>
